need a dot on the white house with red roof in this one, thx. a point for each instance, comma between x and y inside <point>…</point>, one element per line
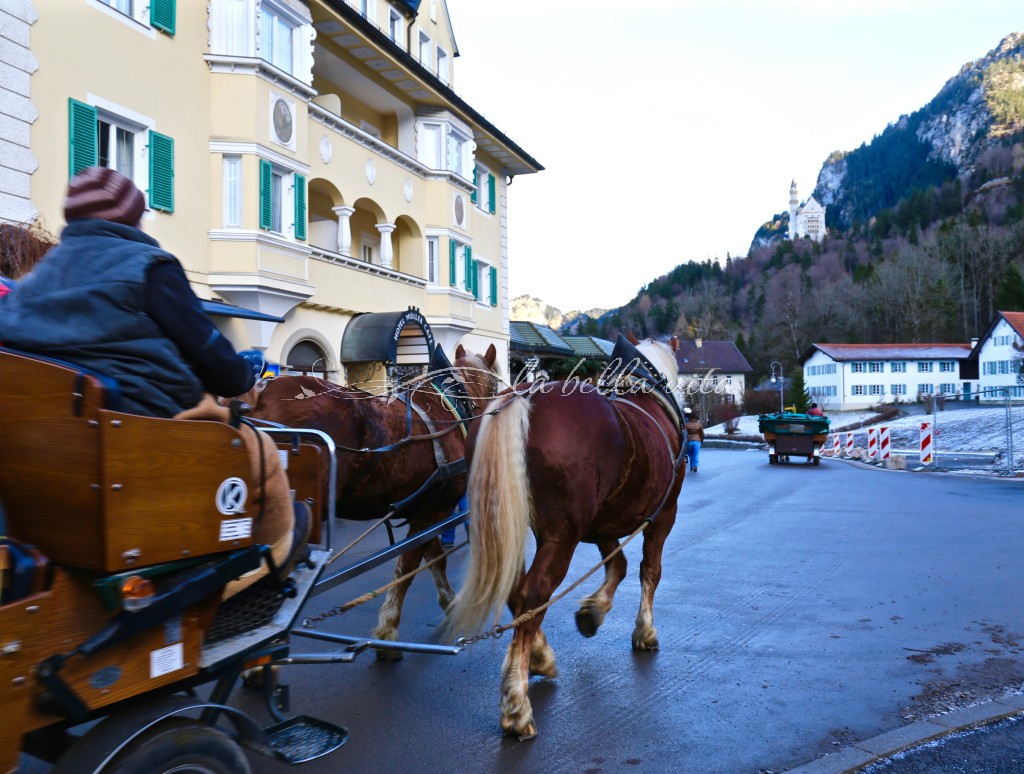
<point>998,354</point>
<point>843,377</point>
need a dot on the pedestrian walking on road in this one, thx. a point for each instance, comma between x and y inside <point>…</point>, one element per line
<point>694,438</point>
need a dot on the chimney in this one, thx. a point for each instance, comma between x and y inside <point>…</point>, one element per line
<point>698,343</point>
<point>974,343</point>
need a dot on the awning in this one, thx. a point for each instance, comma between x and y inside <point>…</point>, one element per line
<point>224,309</point>
<point>397,338</point>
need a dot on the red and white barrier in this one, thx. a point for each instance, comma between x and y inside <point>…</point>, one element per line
<point>884,449</point>
<point>926,443</point>
<point>849,444</point>
<point>872,442</point>
<point>836,445</point>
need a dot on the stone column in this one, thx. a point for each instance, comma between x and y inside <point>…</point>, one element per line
<point>387,252</point>
<point>344,214</point>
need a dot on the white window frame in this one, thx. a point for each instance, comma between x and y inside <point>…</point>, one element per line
<point>394,30</point>
<point>857,389</point>
<point>876,389</point>
<point>876,366</point>
<point>947,388</point>
<point>924,366</point>
<point>232,191</point>
<point>926,389</point>
<point>280,19</point>
<point>369,248</point>
<point>136,123</point>
<point>858,368</point>
<point>435,142</point>
<point>458,154</point>
<point>483,190</point>
<point>426,50</point>
<point>483,278</point>
<point>432,260</point>
<point>898,389</point>
<point>136,17</point>
<point>898,367</point>
<point>947,366</point>
<point>444,73</point>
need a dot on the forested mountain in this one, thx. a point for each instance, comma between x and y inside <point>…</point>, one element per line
<point>925,239</point>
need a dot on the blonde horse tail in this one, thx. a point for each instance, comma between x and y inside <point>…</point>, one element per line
<point>500,515</point>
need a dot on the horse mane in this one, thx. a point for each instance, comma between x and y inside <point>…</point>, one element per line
<point>662,356</point>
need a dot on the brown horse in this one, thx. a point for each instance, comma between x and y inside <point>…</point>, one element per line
<point>576,464</point>
<point>369,483</point>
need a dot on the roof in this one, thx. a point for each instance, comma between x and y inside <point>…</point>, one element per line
<point>1016,321</point>
<point>388,337</point>
<point>531,337</point>
<point>848,352</point>
<point>218,308</point>
<point>588,346</point>
<point>720,355</point>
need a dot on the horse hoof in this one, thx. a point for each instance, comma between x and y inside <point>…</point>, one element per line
<point>587,622</point>
<point>386,654</point>
<point>645,643</point>
<point>528,731</point>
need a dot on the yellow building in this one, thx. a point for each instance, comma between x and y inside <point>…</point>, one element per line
<point>306,160</point>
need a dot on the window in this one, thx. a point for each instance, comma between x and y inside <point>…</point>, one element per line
<point>857,368</point>
<point>394,26</point>
<point>898,389</point>
<point>433,253</point>
<point>485,283</point>
<point>120,139</point>
<point>876,389</point>
<point>425,50</point>
<point>484,191</point>
<point>442,146</point>
<point>947,366</point>
<point>947,389</point>
<point>876,366</point>
<point>925,389</point>
<point>308,358</point>
<point>232,180</point>
<point>282,201</point>
<point>276,39</point>
<point>898,367</point>
<point>857,389</point>
<point>124,6</point>
<point>442,66</point>
<point>460,266</point>
<point>924,366</point>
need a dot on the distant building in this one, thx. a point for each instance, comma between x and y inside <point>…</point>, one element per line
<point>998,356</point>
<point>806,220</point>
<point>717,365</point>
<point>841,377</point>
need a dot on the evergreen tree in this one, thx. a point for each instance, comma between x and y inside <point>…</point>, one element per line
<point>798,396</point>
<point>1010,293</point>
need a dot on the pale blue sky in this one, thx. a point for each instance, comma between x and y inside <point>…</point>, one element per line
<point>671,129</point>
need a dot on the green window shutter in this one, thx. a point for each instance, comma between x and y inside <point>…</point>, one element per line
<point>451,262</point>
<point>161,172</point>
<point>472,196</point>
<point>469,269</point>
<point>162,15</point>
<point>494,286</point>
<point>82,139</point>
<point>300,207</point>
<point>476,280</point>
<point>266,195</point>
<point>490,193</point>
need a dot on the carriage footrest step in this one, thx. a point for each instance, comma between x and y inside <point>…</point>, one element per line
<point>303,738</point>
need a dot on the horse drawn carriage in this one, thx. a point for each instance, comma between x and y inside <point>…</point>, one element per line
<point>790,434</point>
<point>122,534</point>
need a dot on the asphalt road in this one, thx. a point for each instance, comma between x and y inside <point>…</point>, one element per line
<point>801,609</point>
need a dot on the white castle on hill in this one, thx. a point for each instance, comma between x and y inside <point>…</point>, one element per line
<point>807,219</point>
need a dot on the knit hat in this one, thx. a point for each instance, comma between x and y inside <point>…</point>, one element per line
<point>98,192</point>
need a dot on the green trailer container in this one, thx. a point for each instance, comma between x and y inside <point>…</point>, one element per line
<point>793,435</point>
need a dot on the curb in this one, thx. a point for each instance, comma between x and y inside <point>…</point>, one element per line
<point>857,756</point>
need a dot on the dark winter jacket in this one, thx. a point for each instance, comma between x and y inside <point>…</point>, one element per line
<point>109,299</point>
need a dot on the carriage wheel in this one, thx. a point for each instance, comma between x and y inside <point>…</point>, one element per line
<point>816,460</point>
<point>182,746</point>
<point>773,459</point>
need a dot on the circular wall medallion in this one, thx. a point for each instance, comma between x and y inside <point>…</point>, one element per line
<point>283,121</point>
<point>326,149</point>
<point>371,172</point>
<point>408,190</point>
<point>460,211</point>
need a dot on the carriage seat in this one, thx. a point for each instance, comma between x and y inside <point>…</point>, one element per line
<point>103,490</point>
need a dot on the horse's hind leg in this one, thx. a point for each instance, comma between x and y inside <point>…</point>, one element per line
<point>549,567</point>
<point>390,614</point>
<point>594,608</point>
<point>645,636</point>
